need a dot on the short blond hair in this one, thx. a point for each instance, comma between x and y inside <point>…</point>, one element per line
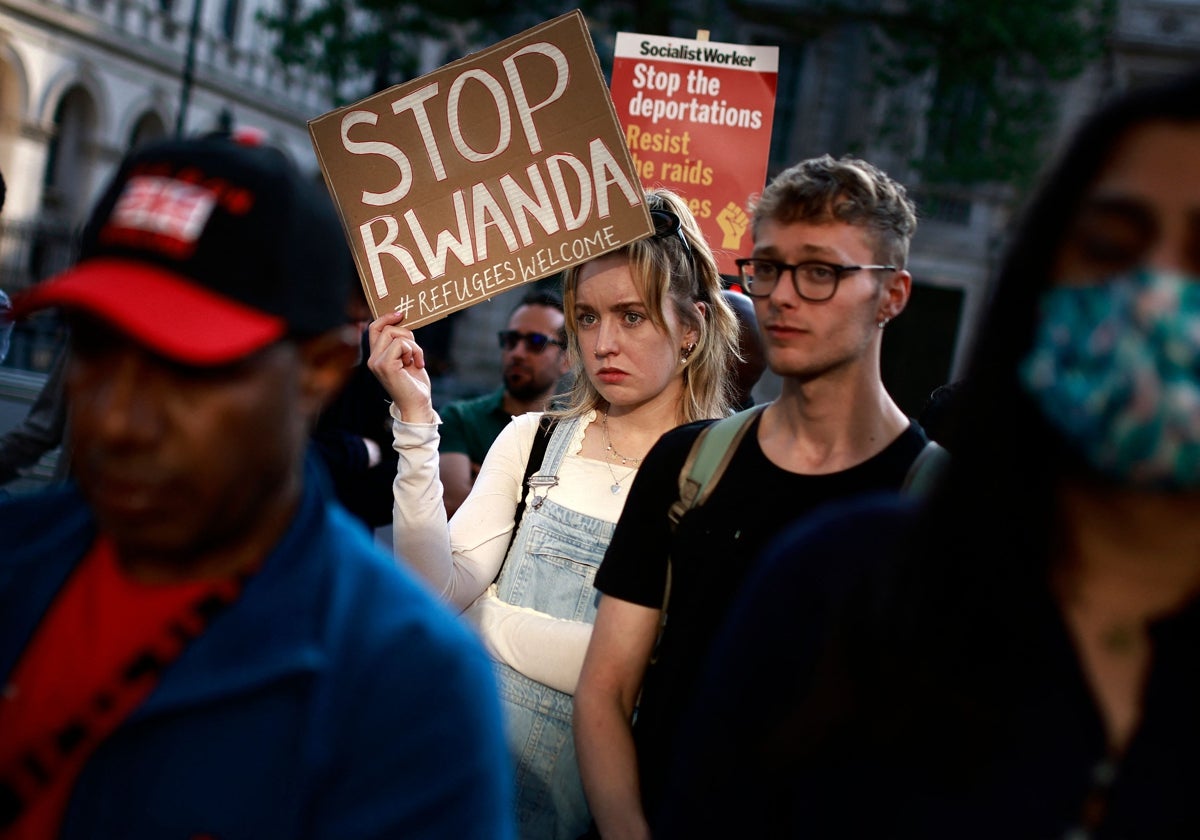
<point>850,190</point>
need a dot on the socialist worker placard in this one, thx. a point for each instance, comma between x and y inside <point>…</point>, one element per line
<point>697,119</point>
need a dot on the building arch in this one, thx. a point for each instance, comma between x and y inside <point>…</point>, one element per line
<point>144,119</point>
<point>14,105</point>
<point>14,85</point>
<point>149,126</point>
<point>70,155</point>
<point>74,75</point>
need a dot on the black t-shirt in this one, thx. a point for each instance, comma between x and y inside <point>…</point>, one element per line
<point>887,715</point>
<point>711,553</point>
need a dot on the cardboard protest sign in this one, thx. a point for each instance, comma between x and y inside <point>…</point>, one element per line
<point>697,118</point>
<point>498,169</point>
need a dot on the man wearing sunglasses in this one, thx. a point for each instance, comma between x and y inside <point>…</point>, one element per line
<point>533,358</point>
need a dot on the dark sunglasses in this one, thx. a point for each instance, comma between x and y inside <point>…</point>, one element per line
<point>666,225</point>
<point>536,342</point>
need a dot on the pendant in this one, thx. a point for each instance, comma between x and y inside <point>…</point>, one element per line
<point>616,488</point>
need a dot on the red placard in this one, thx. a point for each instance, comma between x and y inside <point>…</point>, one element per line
<point>697,120</point>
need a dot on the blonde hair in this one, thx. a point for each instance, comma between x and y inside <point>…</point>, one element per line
<point>664,274</point>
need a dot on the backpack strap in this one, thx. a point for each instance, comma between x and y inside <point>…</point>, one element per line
<point>537,452</point>
<point>925,470</point>
<point>708,458</point>
<point>710,454</point>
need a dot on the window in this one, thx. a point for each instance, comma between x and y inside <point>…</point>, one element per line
<point>229,20</point>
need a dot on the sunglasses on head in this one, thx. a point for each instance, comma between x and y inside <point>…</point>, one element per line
<point>666,225</point>
<point>535,341</point>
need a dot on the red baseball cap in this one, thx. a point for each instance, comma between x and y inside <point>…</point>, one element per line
<point>206,250</point>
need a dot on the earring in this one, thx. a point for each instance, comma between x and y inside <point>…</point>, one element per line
<point>882,323</point>
<point>687,353</point>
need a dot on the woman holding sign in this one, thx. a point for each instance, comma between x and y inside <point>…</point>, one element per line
<point>652,342</point>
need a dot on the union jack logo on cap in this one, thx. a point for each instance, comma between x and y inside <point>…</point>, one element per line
<point>161,213</point>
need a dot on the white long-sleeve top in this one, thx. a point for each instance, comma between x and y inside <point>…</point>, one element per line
<point>461,560</point>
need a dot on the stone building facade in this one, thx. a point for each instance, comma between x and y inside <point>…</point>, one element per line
<point>83,81</point>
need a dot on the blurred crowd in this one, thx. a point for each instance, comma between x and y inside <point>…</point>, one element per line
<point>622,599</point>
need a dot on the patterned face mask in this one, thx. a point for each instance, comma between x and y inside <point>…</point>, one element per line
<point>1116,368</point>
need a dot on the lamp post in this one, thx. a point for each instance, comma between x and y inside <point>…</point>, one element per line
<point>189,67</point>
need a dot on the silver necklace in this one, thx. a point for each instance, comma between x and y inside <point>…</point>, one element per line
<point>615,487</point>
<point>611,454</point>
<point>611,450</point>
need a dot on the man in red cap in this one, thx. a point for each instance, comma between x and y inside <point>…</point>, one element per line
<point>195,640</point>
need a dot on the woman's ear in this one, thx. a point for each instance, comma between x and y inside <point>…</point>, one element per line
<point>691,335</point>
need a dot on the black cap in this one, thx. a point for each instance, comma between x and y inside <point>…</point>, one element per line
<point>206,250</point>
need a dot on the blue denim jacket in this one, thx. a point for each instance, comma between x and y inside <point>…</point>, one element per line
<point>335,699</point>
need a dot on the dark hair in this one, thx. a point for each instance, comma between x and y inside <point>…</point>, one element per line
<point>977,573</point>
<point>540,297</point>
<point>1005,455</point>
<point>547,298</point>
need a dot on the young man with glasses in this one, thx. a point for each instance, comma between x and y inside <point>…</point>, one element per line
<point>533,358</point>
<point>826,274</point>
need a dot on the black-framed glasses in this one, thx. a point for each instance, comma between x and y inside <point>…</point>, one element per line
<point>535,341</point>
<point>814,281</point>
<point>666,225</point>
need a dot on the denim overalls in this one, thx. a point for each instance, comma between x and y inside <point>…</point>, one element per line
<point>549,568</point>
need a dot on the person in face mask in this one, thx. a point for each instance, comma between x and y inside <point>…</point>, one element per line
<point>1017,657</point>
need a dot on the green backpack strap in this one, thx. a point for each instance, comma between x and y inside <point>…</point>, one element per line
<point>707,460</point>
<point>711,453</point>
<point>925,470</point>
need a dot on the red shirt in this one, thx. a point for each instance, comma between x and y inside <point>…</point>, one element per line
<point>96,655</point>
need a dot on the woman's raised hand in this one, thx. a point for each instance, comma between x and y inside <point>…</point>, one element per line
<point>398,362</point>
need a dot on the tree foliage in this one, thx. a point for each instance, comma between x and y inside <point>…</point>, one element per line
<point>991,70</point>
<point>360,46</point>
